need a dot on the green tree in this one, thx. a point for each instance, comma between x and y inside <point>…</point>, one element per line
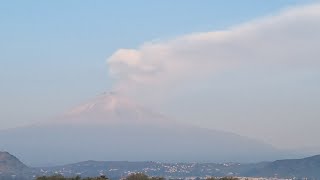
<point>223,178</point>
<point>141,176</point>
<point>229,178</point>
<point>157,178</point>
<point>60,177</point>
<point>137,176</point>
<point>212,178</point>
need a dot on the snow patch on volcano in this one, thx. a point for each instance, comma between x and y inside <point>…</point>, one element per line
<point>112,108</point>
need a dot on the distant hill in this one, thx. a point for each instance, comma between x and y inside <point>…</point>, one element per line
<point>10,164</point>
<point>118,169</point>
<point>12,168</point>
<point>291,168</point>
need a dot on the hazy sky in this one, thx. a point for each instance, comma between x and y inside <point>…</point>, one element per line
<point>249,67</point>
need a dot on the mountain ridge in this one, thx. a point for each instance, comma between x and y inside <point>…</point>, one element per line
<point>118,169</point>
<point>10,164</point>
<point>298,168</point>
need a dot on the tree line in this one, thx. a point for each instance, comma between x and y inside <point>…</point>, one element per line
<point>135,176</point>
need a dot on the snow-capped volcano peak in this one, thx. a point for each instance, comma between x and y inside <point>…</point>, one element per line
<point>111,108</point>
<point>104,103</point>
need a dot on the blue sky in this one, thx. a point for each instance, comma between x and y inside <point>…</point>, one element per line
<point>53,53</point>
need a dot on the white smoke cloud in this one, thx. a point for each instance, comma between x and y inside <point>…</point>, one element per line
<point>285,44</point>
<point>290,39</point>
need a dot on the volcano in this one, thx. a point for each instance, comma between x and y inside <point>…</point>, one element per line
<point>112,127</point>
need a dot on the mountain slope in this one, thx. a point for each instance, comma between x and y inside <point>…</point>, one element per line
<point>9,163</point>
<point>11,166</point>
<point>290,168</point>
<point>111,127</point>
<point>117,169</point>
